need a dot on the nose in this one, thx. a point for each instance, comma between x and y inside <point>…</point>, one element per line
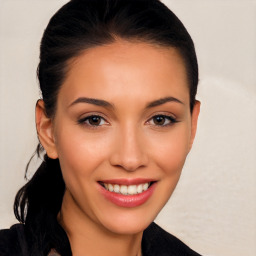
<point>129,151</point>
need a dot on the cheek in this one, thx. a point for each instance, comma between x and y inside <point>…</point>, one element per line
<point>80,153</point>
<point>80,157</point>
<point>170,157</point>
<point>172,150</point>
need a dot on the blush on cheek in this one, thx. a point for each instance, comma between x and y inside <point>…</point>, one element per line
<point>173,158</point>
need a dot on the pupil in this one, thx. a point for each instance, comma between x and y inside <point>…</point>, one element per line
<point>95,120</point>
<point>159,120</point>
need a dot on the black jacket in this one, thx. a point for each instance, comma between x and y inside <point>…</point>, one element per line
<point>155,242</point>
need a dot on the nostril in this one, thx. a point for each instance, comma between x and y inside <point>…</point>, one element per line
<point>129,153</point>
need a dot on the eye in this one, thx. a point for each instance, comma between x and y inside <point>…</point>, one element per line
<point>162,120</point>
<point>93,120</point>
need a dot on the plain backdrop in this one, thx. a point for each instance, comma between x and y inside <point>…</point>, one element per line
<point>213,209</point>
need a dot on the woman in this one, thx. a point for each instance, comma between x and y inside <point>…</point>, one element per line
<point>116,121</point>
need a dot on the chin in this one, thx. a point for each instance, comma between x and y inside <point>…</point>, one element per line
<point>132,221</point>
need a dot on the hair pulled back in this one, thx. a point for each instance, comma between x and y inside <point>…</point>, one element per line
<point>77,26</point>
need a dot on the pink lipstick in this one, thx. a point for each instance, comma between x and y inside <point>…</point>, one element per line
<point>127,193</point>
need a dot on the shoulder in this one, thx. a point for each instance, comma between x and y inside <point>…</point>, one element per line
<point>12,241</point>
<point>158,242</point>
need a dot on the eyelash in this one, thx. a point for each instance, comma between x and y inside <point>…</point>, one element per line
<point>171,120</point>
<point>86,120</point>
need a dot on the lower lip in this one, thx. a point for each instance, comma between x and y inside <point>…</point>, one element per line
<point>128,201</point>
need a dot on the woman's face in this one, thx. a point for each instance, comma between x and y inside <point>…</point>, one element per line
<point>122,131</point>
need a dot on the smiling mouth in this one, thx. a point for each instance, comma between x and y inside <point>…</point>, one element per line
<point>127,189</point>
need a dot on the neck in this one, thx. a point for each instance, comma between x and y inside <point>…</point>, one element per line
<point>87,237</point>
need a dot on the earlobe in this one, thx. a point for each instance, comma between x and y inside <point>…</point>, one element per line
<point>44,127</point>
<point>194,120</point>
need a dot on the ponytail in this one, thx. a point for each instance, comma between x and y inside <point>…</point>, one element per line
<point>37,204</point>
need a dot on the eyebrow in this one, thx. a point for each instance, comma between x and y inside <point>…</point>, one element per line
<point>163,101</point>
<point>97,102</point>
<point>103,103</point>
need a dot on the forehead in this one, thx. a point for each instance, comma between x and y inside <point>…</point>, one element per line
<point>126,69</point>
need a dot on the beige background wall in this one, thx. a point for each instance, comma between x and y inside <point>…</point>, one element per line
<point>214,206</point>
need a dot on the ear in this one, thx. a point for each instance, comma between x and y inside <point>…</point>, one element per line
<point>44,127</point>
<point>194,119</point>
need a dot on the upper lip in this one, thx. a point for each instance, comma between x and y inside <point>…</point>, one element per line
<point>127,182</point>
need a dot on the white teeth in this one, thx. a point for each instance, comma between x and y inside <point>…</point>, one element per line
<point>126,190</point>
<point>145,186</point>
<point>139,188</point>
<point>116,188</point>
<point>110,187</point>
<point>132,190</point>
<point>123,190</point>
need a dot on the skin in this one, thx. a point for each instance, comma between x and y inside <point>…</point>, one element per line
<point>127,143</point>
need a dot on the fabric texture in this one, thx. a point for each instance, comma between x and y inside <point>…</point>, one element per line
<point>155,242</point>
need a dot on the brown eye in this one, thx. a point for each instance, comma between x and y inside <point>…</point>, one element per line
<point>93,121</point>
<point>159,120</point>
<point>162,120</point>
